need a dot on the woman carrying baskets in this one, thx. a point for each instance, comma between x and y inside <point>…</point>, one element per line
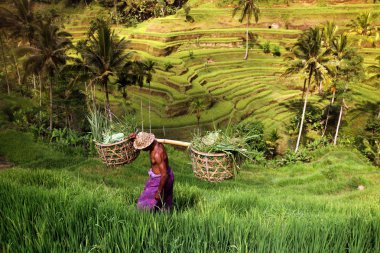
<point>158,190</point>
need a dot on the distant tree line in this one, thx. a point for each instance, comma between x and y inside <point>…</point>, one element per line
<point>129,12</point>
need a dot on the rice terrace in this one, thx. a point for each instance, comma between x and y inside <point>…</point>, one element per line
<point>189,126</point>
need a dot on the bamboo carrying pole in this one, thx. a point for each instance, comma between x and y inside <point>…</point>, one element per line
<point>173,142</point>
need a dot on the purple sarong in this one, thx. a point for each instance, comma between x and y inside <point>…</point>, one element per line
<point>147,201</point>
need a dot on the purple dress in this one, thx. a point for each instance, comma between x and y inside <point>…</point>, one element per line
<point>147,201</point>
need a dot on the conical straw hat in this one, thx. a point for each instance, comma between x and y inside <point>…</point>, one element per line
<point>143,140</point>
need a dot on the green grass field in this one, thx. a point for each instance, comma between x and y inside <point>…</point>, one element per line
<point>51,202</point>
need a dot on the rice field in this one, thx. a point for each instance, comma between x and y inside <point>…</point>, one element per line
<point>51,202</point>
<point>54,202</point>
<point>207,62</point>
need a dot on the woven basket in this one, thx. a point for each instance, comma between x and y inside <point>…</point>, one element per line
<point>213,167</point>
<point>117,153</point>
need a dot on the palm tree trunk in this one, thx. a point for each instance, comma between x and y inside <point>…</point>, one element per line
<point>108,106</point>
<point>337,127</point>
<point>125,95</point>
<point>34,82</point>
<point>328,113</point>
<point>142,116</point>
<point>39,77</point>
<point>320,87</point>
<point>150,123</point>
<point>115,10</point>
<point>93,93</point>
<point>304,86</point>
<point>17,69</point>
<point>5,65</point>
<point>247,42</point>
<point>304,111</point>
<point>51,104</point>
<point>340,116</point>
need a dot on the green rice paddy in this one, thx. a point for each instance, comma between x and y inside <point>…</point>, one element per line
<point>207,61</point>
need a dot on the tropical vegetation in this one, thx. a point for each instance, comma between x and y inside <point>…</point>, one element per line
<point>300,114</point>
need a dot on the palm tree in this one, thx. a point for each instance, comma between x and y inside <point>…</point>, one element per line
<point>46,55</point>
<point>296,66</point>
<point>4,60</point>
<point>21,22</point>
<point>363,24</point>
<point>197,106</point>
<point>132,73</point>
<point>329,33</point>
<point>104,54</point>
<point>349,67</point>
<point>148,67</point>
<point>340,51</point>
<point>375,70</point>
<point>310,59</point>
<point>248,9</point>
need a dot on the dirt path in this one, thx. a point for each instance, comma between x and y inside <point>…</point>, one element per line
<point>4,164</point>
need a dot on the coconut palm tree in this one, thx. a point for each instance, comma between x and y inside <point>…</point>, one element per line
<point>19,23</point>
<point>330,30</point>
<point>295,66</point>
<point>349,66</point>
<point>4,61</point>
<point>104,55</point>
<point>132,73</point>
<point>46,55</point>
<point>363,24</point>
<point>248,9</point>
<point>197,106</point>
<point>375,69</point>
<point>311,60</point>
<point>149,68</point>
<point>340,51</point>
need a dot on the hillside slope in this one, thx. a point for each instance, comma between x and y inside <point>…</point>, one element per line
<point>207,62</point>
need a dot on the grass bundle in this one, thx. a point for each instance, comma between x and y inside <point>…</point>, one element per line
<point>105,131</point>
<point>242,141</point>
<point>99,123</point>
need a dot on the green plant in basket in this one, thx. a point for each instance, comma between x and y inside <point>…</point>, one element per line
<point>99,123</point>
<point>231,141</point>
<point>104,131</point>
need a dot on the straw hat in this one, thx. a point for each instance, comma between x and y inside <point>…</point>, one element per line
<point>143,140</point>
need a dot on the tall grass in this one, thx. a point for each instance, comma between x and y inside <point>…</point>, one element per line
<point>86,207</point>
<point>72,220</point>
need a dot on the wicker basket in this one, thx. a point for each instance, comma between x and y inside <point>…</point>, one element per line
<point>117,153</point>
<point>213,167</point>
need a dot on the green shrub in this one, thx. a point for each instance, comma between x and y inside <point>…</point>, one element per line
<point>168,66</point>
<point>369,142</point>
<point>276,51</point>
<point>318,143</point>
<point>292,157</point>
<point>266,47</point>
<point>188,18</point>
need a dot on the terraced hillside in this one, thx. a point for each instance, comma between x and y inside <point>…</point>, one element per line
<point>204,60</point>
